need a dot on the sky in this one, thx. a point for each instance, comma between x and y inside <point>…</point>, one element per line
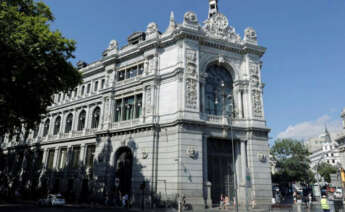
<point>303,67</point>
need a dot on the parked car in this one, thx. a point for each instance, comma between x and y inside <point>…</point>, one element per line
<point>338,194</point>
<point>52,200</point>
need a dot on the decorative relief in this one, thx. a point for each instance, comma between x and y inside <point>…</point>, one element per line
<point>148,98</point>
<point>254,72</point>
<point>262,157</point>
<point>190,18</point>
<point>144,154</point>
<point>257,108</point>
<point>191,69</point>
<point>250,35</point>
<point>191,55</point>
<point>192,152</point>
<point>218,27</point>
<point>191,94</point>
<point>152,30</point>
<point>191,82</point>
<point>112,48</point>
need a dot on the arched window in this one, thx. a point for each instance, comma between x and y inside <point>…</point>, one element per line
<point>57,125</point>
<point>81,120</point>
<point>36,131</point>
<point>46,128</point>
<point>218,91</point>
<point>69,122</point>
<point>95,118</point>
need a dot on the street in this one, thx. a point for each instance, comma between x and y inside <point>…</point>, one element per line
<point>32,208</point>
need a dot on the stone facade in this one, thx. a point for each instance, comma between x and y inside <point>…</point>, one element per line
<point>340,139</point>
<point>322,149</point>
<point>151,98</point>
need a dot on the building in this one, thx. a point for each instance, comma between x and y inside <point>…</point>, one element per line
<point>181,111</point>
<point>340,139</point>
<point>322,149</point>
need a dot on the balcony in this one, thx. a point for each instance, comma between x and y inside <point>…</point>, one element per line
<point>125,124</point>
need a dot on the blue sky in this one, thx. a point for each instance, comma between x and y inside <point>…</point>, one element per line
<point>304,66</point>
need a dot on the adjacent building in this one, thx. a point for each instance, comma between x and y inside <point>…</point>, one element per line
<point>180,110</point>
<point>323,149</point>
<point>340,139</point>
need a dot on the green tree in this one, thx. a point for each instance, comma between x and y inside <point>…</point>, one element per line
<point>292,162</point>
<point>34,64</point>
<point>325,169</point>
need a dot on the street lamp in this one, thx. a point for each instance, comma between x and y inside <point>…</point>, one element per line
<point>317,172</point>
<point>230,116</point>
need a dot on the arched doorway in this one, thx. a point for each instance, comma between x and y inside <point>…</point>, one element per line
<point>123,170</point>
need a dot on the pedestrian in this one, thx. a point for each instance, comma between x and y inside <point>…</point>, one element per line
<point>221,202</point>
<point>294,197</point>
<point>124,200</point>
<point>310,198</point>
<point>324,203</point>
<point>226,202</point>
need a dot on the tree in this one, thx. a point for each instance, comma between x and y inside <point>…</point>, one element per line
<point>292,162</point>
<point>325,169</point>
<point>34,64</point>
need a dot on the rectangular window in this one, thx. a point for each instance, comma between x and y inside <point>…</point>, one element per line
<point>96,86</point>
<point>88,88</point>
<point>75,157</point>
<point>50,161</point>
<point>333,161</point>
<point>139,105</point>
<point>129,108</point>
<point>121,75</point>
<point>118,110</point>
<point>90,152</point>
<point>75,92</point>
<point>82,90</point>
<point>133,72</point>
<point>40,158</point>
<point>63,158</point>
<point>59,98</point>
<point>103,83</point>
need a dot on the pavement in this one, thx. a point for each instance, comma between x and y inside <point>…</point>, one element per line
<point>32,207</point>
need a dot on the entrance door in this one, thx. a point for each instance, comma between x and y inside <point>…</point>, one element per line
<point>123,172</point>
<point>220,169</point>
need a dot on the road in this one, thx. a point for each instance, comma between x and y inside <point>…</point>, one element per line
<point>31,208</point>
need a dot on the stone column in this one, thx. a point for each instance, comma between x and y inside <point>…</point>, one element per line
<point>82,154</point>
<point>243,191</point>
<point>45,158</point>
<point>56,157</point>
<point>75,120</point>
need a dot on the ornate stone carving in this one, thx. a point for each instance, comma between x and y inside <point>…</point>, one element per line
<point>148,98</point>
<point>192,152</point>
<point>218,27</point>
<point>191,69</point>
<point>144,154</point>
<point>152,30</point>
<point>254,72</point>
<point>191,55</point>
<point>112,48</point>
<point>262,157</point>
<point>250,35</point>
<point>172,24</point>
<point>191,93</point>
<point>190,18</point>
<point>257,108</point>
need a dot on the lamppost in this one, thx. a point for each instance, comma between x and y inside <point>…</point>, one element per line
<point>317,172</point>
<point>230,116</point>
